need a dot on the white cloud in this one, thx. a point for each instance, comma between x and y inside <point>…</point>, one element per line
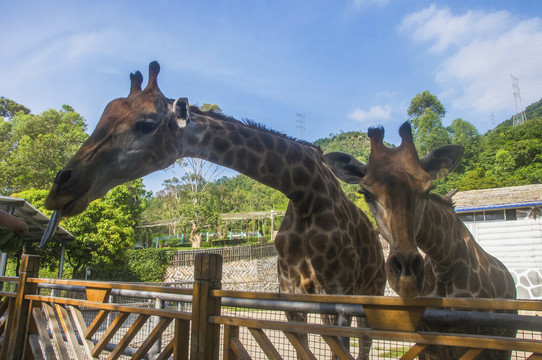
<point>374,113</point>
<point>477,51</point>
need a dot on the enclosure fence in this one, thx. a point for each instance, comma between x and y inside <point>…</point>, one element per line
<point>71,319</point>
<point>229,254</point>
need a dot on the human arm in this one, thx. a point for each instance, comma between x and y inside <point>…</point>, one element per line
<point>12,223</point>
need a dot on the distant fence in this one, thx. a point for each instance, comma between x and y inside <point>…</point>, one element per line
<point>229,254</point>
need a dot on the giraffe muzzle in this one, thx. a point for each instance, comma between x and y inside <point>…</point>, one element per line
<point>405,273</point>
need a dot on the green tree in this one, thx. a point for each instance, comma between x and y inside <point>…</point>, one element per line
<point>211,107</point>
<point>103,233</point>
<point>35,147</point>
<point>197,212</point>
<point>429,133</point>
<point>465,134</point>
<point>475,179</point>
<point>8,108</point>
<point>355,143</point>
<point>502,167</point>
<point>513,154</point>
<point>423,101</point>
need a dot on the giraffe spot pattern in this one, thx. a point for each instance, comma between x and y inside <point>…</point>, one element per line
<point>267,141</point>
<point>305,206</point>
<point>285,179</point>
<point>319,243</point>
<point>294,154</point>
<point>322,204</point>
<point>318,185</point>
<point>221,145</point>
<point>300,177</point>
<point>228,159</point>
<point>325,222</point>
<point>274,163</point>
<point>309,164</point>
<point>270,181</point>
<point>235,138</point>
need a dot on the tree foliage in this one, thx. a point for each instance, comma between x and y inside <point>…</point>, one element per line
<point>423,101</point>
<point>426,113</point>
<point>34,147</point>
<point>211,107</point>
<point>505,156</point>
<point>429,133</point>
<point>465,134</point>
<point>8,108</point>
<point>102,233</point>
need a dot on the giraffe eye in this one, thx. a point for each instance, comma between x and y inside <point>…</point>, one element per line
<point>367,195</point>
<point>145,126</point>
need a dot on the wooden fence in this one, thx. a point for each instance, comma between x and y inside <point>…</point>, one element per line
<point>38,323</point>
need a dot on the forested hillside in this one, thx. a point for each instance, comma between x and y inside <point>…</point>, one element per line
<point>355,142</point>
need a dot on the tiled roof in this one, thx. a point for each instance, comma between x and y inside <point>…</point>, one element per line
<point>493,198</point>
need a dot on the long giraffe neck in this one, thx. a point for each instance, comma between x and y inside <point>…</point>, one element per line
<point>441,237</point>
<point>289,166</point>
<point>460,266</point>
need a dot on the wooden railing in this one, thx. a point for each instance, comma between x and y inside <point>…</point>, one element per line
<point>39,323</point>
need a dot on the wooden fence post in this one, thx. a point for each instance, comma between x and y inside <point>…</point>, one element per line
<point>205,338</point>
<point>30,265</point>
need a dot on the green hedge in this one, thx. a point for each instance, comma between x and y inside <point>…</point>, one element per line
<point>142,265</point>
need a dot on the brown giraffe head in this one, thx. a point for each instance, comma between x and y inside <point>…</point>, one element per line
<point>135,136</point>
<point>396,184</point>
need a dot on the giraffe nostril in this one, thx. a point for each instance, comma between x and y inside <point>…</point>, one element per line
<point>63,177</point>
<point>396,265</point>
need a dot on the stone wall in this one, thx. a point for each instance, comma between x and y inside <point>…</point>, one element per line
<point>242,275</point>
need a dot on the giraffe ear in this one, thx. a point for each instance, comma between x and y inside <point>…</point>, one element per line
<point>181,110</point>
<point>442,161</point>
<point>346,167</point>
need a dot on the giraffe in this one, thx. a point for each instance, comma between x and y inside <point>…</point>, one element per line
<point>325,245</point>
<point>397,185</point>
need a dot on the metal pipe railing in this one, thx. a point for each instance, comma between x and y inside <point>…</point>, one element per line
<point>430,317</point>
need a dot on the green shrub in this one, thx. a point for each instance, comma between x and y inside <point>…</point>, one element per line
<point>142,265</point>
<point>149,264</point>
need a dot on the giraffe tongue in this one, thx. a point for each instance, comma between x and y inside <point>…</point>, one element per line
<point>50,229</point>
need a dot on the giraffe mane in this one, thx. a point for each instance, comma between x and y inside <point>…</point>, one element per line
<point>253,125</point>
<point>260,126</point>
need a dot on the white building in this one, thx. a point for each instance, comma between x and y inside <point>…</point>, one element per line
<point>507,223</point>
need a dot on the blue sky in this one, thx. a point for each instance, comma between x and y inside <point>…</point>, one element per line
<point>345,65</point>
